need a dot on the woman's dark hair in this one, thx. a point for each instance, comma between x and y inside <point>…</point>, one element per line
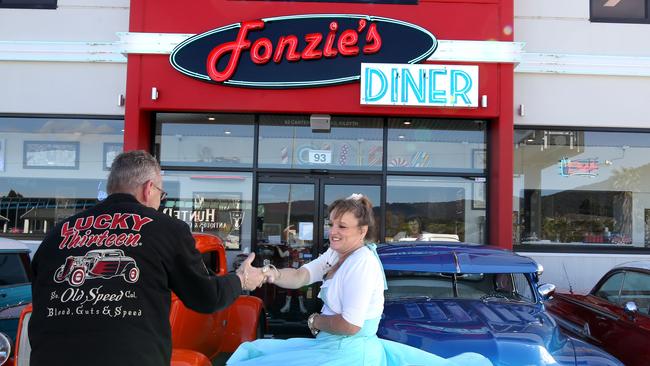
<point>415,218</point>
<point>360,206</point>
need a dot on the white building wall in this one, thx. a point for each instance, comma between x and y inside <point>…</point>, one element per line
<point>590,75</point>
<point>552,97</point>
<point>41,87</point>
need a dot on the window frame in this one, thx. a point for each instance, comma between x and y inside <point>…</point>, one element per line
<point>572,248</point>
<point>606,280</point>
<point>645,20</point>
<point>40,4</point>
<point>63,202</point>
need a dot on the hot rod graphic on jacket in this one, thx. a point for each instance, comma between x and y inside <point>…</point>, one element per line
<point>101,263</point>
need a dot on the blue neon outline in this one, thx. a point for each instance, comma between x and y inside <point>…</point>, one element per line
<point>279,84</point>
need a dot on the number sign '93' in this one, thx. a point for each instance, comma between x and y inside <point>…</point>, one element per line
<point>320,156</point>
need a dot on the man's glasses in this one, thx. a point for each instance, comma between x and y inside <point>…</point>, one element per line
<point>163,194</point>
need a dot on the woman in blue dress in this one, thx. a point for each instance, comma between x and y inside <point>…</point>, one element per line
<point>353,295</point>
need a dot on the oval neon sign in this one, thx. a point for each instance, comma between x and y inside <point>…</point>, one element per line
<point>300,50</point>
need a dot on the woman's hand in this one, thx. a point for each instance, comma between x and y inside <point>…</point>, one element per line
<point>334,324</point>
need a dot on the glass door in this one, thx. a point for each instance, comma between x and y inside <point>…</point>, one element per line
<point>291,231</point>
<point>334,189</point>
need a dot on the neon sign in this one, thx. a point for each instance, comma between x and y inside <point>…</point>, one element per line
<point>300,50</point>
<point>587,167</point>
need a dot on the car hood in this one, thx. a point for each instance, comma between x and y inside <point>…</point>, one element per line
<point>12,301</point>
<point>508,333</point>
<point>15,295</point>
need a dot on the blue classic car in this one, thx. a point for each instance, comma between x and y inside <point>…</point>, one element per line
<point>15,290</point>
<point>448,299</point>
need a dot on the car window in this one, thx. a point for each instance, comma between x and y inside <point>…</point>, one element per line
<point>523,288</point>
<point>405,284</point>
<point>610,289</point>
<point>211,261</point>
<point>503,286</point>
<point>12,270</point>
<point>636,287</point>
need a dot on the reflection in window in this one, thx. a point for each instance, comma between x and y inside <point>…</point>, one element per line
<point>523,286</point>
<point>611,288</point>
<point>12,269</point>
<point>214,203</point>
<point>439,205</point>
<point>416,144</point>
<point>205,140</point>
<point>51,168</point>
<point>636,287</point>
<point>581,187</point>
<point>353,143</point>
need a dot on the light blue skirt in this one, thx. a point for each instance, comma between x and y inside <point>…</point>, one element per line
<point>361,349</point>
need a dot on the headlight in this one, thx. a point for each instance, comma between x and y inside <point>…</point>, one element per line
<point>5,348</point>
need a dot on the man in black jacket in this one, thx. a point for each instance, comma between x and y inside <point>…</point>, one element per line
<point>103,277</point>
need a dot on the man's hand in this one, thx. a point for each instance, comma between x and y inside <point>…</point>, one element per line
<point>251,277</point>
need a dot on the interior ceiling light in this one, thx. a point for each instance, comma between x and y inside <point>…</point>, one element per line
<point>529,140</point>
<point>211,118</point>
<point>400,136</point>
<point>227,132</point>
<point>407,123</point>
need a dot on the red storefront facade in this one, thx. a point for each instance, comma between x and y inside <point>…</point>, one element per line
<point>469,20</point>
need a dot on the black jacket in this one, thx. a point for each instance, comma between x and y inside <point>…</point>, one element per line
<point>102,282</point>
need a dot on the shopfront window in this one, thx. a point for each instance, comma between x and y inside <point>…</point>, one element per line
<point>351,143</point>
<point>617,11</point>
<point>51,168</point>
<point>205,140</point>
<point>435,209</point>
<point>28,4</point>
<point>582,188</point>
<point>215,203</point>
<point>436,145</point>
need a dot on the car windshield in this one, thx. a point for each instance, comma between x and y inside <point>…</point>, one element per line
<point>12,269</point>
<point>435,285</point>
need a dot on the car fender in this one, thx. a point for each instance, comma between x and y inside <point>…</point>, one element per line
<point>244,318</point>
<point>186,357</point>
<point>592,355</point>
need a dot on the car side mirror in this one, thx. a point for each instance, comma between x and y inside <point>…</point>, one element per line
<point>546,290</point>
<point>631,308</point>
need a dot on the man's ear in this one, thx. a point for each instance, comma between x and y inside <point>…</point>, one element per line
<point>144,192</point>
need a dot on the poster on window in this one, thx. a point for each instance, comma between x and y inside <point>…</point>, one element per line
<point>111,150</point>
<point>51,154</point>
<point>220,214</point>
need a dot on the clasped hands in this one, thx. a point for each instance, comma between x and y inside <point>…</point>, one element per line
<point>253,277</point>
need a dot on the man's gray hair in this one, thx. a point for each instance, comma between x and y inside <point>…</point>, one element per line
<point>131,169</point>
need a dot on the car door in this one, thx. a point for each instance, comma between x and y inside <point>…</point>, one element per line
<point>598,313</point>
<point>629,336</point>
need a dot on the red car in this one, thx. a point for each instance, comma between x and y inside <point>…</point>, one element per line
<point>102,263</point>
<point>614,315</point>
<point>197,339</point>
